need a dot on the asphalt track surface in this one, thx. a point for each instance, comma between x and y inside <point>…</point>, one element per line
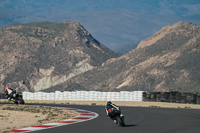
<point>137,119</point>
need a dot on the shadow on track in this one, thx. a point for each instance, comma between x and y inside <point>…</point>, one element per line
<point>130,125</point>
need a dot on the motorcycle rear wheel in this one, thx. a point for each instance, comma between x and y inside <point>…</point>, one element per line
<point>120,121</point>
<point>20,100</point>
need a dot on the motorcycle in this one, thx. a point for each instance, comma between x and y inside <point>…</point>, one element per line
<point>117,116</point>
<point>17,98</point>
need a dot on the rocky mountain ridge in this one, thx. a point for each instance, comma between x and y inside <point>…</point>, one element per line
<point>40,55</point>
<point>167,61</point>
<point>103,19</point>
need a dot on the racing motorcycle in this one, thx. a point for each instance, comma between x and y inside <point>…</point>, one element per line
<point>17,98</point>
<point>117,116</point>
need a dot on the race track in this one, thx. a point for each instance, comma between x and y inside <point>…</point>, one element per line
<point>137,119</point>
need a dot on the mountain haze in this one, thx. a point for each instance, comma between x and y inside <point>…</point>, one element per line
<point>112,22</point>
<point>40,55</point>
<point>169,60</point>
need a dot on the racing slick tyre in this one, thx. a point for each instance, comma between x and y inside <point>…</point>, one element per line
<point>120,121</point>
<point>20,100</point>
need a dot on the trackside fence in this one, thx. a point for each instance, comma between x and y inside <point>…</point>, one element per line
<point>85,96</point>
<point>2,96</point>
<point>172,97</point>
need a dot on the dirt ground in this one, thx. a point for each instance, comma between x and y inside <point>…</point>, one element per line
<point>20,116</point>
<point>15,117</point>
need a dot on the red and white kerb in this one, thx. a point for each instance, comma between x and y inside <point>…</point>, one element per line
<point>84,115</point>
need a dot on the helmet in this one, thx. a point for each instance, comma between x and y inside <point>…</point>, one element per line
<point>109,102</point>
<point>6,88</point>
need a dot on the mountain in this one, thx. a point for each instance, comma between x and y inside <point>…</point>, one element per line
<point>169,60</point>
<point>125,48</point>
<point>112,22</point>
<point>40,55</point>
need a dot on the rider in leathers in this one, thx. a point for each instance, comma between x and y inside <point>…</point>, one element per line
<point>108,109</point>
<point>10,93</point>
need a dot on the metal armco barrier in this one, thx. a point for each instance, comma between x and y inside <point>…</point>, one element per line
<point>172,97</point>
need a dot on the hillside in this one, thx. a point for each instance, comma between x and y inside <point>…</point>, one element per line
<point>125,49</point>
<point>112,22</point>
<point>40,55</point>
<point>169,60</point>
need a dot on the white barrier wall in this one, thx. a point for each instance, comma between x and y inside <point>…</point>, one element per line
<point>85,96</point>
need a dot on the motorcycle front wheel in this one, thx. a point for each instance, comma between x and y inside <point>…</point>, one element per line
<point>15,101</point>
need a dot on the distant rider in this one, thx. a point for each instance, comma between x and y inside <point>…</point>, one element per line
<point>10,93</point>
<point>109,110</point>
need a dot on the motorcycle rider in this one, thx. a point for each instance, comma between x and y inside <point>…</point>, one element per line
<point>109,110</point>
<point>10,93</point>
